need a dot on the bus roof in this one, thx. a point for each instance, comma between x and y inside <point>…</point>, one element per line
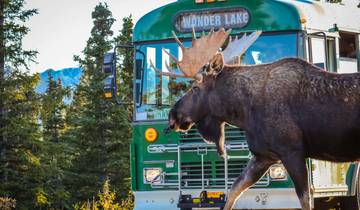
<point>245,15</point>
<point>321,16</point>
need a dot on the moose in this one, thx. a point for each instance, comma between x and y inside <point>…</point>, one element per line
<point>290,109</point>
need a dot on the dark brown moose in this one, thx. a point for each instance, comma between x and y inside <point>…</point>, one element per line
<point>290,110</point>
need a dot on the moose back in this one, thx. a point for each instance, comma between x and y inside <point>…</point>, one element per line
<point>290,109</point>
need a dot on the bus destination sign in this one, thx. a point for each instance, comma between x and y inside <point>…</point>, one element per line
<point>204,20</point>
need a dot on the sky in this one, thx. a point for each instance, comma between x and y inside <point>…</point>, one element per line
<point>62,27</point>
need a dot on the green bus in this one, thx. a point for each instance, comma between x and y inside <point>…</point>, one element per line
<point>172,171</point>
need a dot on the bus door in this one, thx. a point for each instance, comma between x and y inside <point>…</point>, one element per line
<point>328,179</point>
<point>322,51</point>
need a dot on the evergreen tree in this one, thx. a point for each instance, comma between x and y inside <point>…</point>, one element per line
<point>20,174</point>
<point>53,110</point>
<point>56,152</point>
<point>100,128</point>
<point>106,200</point>
<point>126,65</point>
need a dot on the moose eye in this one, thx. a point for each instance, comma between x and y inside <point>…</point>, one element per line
<point>195,88</point>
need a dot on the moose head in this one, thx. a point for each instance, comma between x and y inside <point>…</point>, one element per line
<point>203,62</point>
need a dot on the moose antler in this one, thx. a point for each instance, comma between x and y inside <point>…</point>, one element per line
<point>237,47</point>
<point>196,56</point>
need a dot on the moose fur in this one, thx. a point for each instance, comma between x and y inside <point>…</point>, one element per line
<point>290,110</point>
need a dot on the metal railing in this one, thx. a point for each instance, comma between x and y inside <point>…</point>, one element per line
<point>205,173</point>
<point>205,170</point>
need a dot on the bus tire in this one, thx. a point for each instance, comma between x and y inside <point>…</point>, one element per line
<point>327,203</point>
<point>352,202</point>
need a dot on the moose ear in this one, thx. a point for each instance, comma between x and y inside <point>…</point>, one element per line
<point>216,64</point>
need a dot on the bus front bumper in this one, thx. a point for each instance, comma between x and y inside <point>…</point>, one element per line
<point>279,198</point>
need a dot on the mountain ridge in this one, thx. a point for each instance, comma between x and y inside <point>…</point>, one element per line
<point>70,77</point>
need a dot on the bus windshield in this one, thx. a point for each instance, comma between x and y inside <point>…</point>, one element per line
<point>159,93</point>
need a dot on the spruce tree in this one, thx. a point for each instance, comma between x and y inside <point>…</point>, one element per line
<point>53,110</point>
<point>99,127</point>
<point>20,147</point>
<point>55,157</point>
<point>125,85</point>
<point>126,55</point>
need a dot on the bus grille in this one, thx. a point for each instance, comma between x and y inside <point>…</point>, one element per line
<point>200,165</point>
<point>214,176</point>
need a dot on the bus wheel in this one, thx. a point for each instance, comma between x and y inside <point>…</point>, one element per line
<point>352,202</point>
<point>327,203</point>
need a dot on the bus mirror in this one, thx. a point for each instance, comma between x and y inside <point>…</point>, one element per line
<point>109,66</point>
<point>137,92</point>
<point>110,87</point>
<point>138,68</point>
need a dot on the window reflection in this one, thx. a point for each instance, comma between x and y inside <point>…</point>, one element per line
<point>161,92</point>
<point>149,79</point>
<point>165,96</point>
<point>267,49</point>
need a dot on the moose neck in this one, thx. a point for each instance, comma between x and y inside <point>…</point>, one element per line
<point>227,102</point>
<point>231,96</point>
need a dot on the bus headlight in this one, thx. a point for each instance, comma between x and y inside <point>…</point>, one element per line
<point>277,172</point>
<point>152,175</point>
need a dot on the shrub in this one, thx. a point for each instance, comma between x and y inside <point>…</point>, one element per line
<point>107,201</point>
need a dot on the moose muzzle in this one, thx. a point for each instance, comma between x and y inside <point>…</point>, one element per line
<point>178,122</point>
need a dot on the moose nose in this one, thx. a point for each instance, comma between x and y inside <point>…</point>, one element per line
<point>170,127</point>
<point>171,123</point>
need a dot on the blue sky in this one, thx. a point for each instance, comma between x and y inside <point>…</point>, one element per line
<point>61,28</point>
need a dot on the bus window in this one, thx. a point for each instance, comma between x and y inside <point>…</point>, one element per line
<point>158,93</point>
<point>270,48</point>
<point>331,55</point>
<point>347,45</point>
<point>318,52</point>
<point>149,80</point>
<point>165,96</point>
<point>322,53</point>
<point>347,48</point>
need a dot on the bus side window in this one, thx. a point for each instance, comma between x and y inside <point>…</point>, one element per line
<point>348,51</point>
<point>347,45</point>
<point>318,56</point>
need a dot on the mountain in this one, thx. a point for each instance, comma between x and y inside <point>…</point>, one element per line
<point>70,77</point>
